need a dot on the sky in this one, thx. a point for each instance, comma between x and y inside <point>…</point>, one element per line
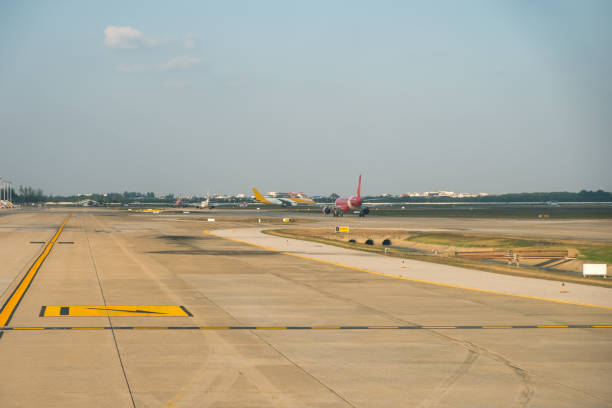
<point>190,96</point>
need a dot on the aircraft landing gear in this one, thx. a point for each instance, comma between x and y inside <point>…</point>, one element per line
<point>364,210</point>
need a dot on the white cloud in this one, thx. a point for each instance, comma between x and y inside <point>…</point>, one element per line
<point>180,62</point>
<point>190,41</point>
<point>126,38</point>
<point>133,68</point>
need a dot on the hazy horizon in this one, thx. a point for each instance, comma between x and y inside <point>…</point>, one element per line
<point>475,96</point>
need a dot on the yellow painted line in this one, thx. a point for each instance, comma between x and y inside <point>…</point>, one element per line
<point>383,327</point>
<point>175,398</point>
<point>115,311</point>
<point>388,275</point>
<point>439,327</point>
<point>11,304</point>
<point>249,328</point>
<point>271,328</point>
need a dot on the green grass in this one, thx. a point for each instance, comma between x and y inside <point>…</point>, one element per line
<point>588,252</point>
<point>597,253</point>
<point>498,211</point>
<point>441,238</point>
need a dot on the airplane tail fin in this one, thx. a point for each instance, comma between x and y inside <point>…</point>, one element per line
<point>260,197</point>
<point>359,187</point>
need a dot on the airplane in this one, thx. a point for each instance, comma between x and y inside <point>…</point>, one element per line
<point>206,204</point>
<point>203,204</point>
<point>283,201</point>
<point>343,204</point>
<point>88,203</point>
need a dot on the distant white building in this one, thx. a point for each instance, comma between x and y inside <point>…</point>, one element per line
<point>443,194</point>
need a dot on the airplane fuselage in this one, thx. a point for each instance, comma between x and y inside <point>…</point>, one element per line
<point>349,203</point>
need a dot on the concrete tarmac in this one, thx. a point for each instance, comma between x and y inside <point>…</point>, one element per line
<point>119,259</point>
<point>428,272</point>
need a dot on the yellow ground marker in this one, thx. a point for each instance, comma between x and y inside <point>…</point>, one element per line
<point>6,313</point>
<point>114,311</point>
<point>388,275</point>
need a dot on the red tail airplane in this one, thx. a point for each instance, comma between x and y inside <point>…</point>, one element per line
<point>352,203</point>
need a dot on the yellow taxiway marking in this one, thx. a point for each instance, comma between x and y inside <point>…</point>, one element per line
<point>13,301</point>
<point>388,275</point>
<point>29,328</point>
<point>302,328</point>
<point>114,311</point>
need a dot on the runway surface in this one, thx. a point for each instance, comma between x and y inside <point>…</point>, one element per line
<point>266,328</point>
<point>427,272</point>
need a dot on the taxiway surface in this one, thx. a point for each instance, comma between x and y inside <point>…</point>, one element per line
<point>266,328</point>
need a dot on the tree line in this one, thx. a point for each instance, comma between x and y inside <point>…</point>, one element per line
<point>27,194</point>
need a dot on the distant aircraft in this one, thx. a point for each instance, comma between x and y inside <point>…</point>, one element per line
<point>202,204</point>
<point>207,204</point>
<point>353,203</point>
<point>284,201</point>
<point>87,203</point>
